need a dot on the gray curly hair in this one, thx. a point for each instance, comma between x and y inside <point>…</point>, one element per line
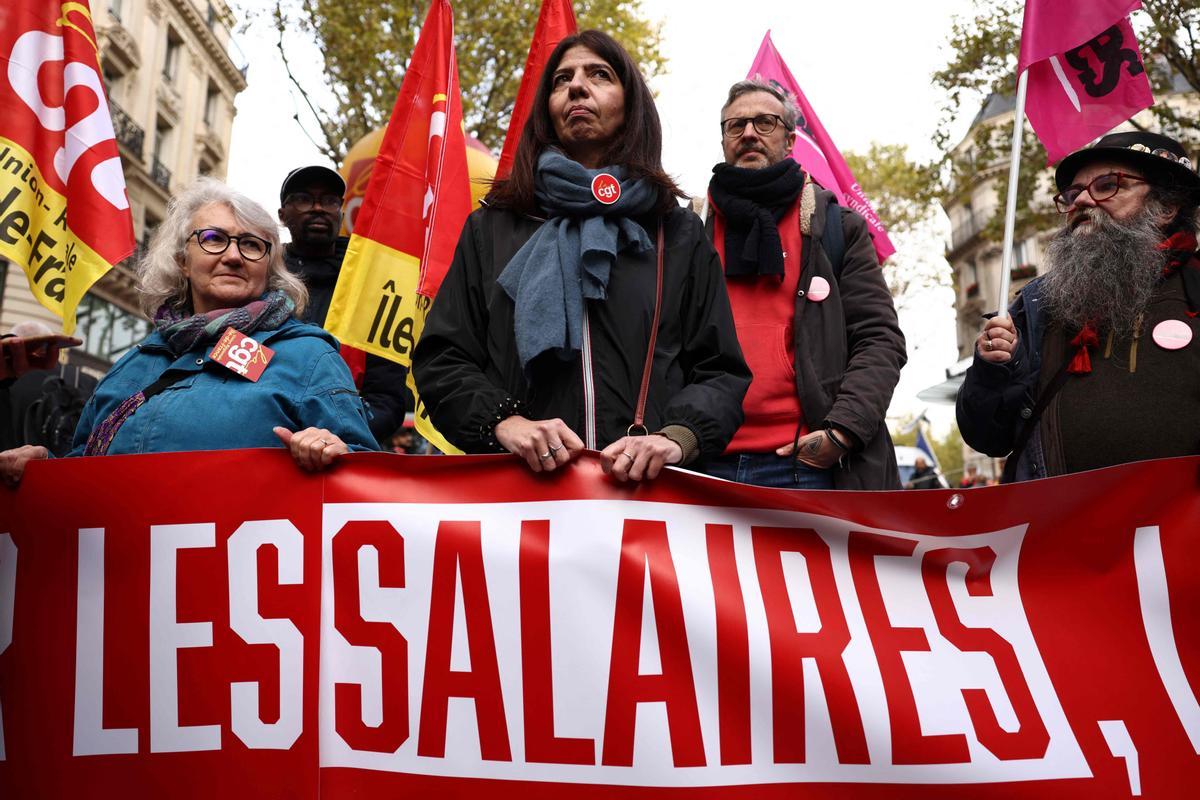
<point>791,112</point>
<point>160,277</point>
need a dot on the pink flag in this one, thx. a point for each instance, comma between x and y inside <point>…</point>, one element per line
<point>815,152</point>
<point>1051,27</point>
<point>1084,91</point>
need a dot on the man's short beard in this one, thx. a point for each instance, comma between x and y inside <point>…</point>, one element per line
<point>1107,274</point>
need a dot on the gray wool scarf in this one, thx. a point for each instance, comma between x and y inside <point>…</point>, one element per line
<point>568,259</point>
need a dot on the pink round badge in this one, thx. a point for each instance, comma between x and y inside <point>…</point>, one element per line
<point>606,188</point>
<point>1172,334</point>
<point>818,290</point>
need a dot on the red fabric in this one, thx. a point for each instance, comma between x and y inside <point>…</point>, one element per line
<point>763,311</point>
<point>1081,362</point>
<point>1033,641</point>
<point>356,360</point>
<point>555,22</point>
<point>419,194</point>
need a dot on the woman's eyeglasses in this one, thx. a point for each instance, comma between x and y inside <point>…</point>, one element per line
<point>216,241</point>
<point>765,124</point>
<point>1101,188</point>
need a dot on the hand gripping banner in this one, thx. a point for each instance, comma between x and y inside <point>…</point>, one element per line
<point>64,214</point>
<point>461,627</point>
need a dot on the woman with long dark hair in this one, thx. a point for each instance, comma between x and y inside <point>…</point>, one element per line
<point>584,307</point>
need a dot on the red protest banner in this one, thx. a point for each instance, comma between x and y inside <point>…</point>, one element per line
<point>460,627</point>
<point>64,214</point>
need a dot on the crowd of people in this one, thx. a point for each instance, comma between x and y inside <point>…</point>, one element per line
<point>750,336</point>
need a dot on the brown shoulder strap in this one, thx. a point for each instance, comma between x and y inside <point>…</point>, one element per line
<point>638,428</point>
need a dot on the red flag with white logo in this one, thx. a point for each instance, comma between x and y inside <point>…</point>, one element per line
<point>1085,72</point>
<point>416,203</point>
<point>555,22</point>
<point>64,212</point>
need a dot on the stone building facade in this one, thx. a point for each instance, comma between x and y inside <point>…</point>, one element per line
<point>172,71</point>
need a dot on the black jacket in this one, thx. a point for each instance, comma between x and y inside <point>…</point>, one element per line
<point>849,348</point>
<point>466,364</point>
<point>383,387</point>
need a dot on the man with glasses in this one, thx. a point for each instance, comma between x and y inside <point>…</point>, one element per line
<point>1098,362</point>
<point>310,201</point>
<point>813,313</point>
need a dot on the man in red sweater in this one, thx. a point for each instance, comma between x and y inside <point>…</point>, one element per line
<point>814,316</point>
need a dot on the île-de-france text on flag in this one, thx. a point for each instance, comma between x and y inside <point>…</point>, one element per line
<point>64,213</point>
<point>815,152</point>
<point>555,21</point>
<point>416,203</point>
<point>1085,72</point>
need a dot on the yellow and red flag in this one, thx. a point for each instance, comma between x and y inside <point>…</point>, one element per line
<point>64,213</point>
<point>556,20</point>
<point>417,200</point>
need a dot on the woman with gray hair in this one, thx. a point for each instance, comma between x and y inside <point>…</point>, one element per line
<point>228,365</point>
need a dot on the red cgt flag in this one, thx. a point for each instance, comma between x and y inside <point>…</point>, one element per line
<point>416,203</point>
<point>1085,73</point>
<point>555,22</point>
<point>64,213</point>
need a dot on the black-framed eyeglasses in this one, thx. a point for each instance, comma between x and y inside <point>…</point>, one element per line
<point>1101,188</point>
<point>765,124</point>
<point>216,241</point>
<point>303,201</point>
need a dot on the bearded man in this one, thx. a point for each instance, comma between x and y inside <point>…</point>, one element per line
<point>1098,362</point>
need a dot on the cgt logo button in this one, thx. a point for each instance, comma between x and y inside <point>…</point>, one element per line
<point>606,188</point>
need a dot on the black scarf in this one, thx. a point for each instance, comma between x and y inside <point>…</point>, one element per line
<point>753,201</point>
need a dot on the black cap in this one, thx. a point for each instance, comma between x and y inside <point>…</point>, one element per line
<point>1160,158</point>
<point>304,176</point>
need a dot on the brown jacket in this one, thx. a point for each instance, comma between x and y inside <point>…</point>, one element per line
<point>849,348</point>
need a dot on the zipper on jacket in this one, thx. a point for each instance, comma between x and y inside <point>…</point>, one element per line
<point>589,386</point>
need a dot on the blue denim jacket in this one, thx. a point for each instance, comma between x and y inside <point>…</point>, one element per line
<point>306,384</point>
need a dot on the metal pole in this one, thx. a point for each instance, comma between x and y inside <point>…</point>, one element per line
<point>1010,212</point>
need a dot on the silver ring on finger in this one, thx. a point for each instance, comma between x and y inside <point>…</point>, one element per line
<point>545,455</point>
<point>554,448</point>
<point>324,443</point>
<point>627,455</point>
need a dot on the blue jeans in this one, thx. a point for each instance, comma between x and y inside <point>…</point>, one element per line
<point>768,469</point>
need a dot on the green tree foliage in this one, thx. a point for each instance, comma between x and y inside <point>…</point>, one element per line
<point>904,194</point>
<point>366,45</point>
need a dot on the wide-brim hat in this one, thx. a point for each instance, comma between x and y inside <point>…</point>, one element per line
<point>306,176</point>
<point>1160,158</point>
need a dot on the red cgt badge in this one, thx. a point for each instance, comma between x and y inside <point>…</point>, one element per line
<point>606,188</point>
<point>238,352</point>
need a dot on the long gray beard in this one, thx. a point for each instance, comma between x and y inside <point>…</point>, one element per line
<point>1106,275</point>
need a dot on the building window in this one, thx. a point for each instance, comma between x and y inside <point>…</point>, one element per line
<point>159,172</point>
<point>171,61</point>
<point>212,103</point>
<point>108,331</point>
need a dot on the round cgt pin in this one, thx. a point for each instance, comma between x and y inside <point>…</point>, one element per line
<point>606,188</point>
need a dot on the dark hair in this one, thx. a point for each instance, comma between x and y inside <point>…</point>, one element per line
<point>639,153</point>
<point>1183,198</point>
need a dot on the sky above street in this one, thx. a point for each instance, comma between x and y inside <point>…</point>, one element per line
<point>864,65</point>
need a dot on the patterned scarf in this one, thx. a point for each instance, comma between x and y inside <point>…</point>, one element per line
<point>186,333</point>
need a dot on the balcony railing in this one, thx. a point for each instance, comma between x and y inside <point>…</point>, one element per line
<point>964,231</point>
<point>160,175</point>
<point>129,134</point>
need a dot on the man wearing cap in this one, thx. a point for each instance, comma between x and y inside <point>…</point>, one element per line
<point>813,312</point>
<point>1098,362</point>
<point>310,201</point>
